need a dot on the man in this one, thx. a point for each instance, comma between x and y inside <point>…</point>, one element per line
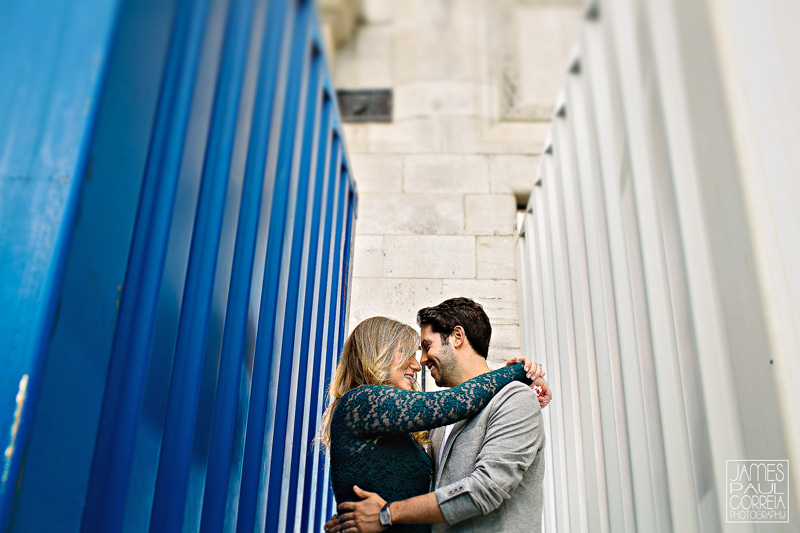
<point>489,469</point>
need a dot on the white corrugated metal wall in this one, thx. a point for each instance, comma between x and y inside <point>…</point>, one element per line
<point>658,263</point>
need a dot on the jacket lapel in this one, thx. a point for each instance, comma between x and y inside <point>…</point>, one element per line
<point>436,435</point>
<point>448,445</point>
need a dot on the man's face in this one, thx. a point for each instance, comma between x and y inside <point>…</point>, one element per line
<point>439,358</point>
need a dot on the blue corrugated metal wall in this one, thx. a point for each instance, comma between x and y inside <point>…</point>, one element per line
<point>177,215</point>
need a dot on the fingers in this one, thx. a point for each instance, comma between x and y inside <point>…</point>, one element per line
<point>332,523</point>
<point>362,493</point>
<point>544,401</point>
<point>350,526</point>
<point>545,396</point>
<point>341,525</point>
<point>532,368</point>
<point>346,506</point>
<point>542,389</point>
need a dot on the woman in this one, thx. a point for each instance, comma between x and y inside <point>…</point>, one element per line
<point>376,433</point>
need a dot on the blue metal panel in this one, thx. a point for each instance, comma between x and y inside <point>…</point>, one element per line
<point>298,404</point>
<point>48,105</point>
<point>184,392</point>
<point>322,291</point>
<point>331,323</point>
<point>197,287</point>
<point>111,469</point>
<point>255,471</point>
<point>55,476</point>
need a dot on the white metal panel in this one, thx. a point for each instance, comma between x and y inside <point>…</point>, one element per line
<point>530,256</point>
<point>661,248</point>
<point>525,297</point>
<point>556,408</point>
<point>758,45</point>
<point>573,432</point>
<point>585,364</point>
<point>608,121</point>
<point>675,469</point>
<point>610,398</point>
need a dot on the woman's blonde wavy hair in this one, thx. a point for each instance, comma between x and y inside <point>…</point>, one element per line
<point>367,359</point>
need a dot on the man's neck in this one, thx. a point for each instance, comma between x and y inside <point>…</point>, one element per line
<point>474,366</point>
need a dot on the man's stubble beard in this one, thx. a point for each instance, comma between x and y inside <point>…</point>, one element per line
<point>448,372</point>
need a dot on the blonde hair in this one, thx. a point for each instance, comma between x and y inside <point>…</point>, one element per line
<point>367,359</point>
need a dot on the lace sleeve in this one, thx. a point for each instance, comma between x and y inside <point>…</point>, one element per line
<point>377,409</point>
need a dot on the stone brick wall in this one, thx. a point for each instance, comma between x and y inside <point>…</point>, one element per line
<point>474,85</point>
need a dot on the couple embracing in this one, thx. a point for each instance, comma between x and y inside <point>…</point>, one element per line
<point>480,466</point>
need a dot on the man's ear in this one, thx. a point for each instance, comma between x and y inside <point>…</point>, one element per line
<point>459,337</point>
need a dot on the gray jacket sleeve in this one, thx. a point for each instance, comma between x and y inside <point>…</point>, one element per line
<point>514,433</point>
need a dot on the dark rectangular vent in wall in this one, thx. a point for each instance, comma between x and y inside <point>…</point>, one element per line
<point>365,105</point>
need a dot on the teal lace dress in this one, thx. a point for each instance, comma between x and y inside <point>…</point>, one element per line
<point>371,445</point>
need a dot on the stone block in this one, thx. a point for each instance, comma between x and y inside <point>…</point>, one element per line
<point>478,136</point>
<point>435,98</point>
<point>372,72</point>
<point>368,256</point>
<point>441,60</point>
<point>418,135</point>
<point>498,297</point>
<point>377,11</point>
<point>344,70</point>
<point>505,344</point>
<point>356,137</point>
<point>489,214</point>
<point>374,40</point>
<point>429,256</point>
<point>552,32</point>
<point>446,173</point>
<point>515,174</point>
<point>341,15</point>
<point>414,214</point>
<point>442,23</point>
<point>530,45</point>
<point>496,258</point>
<point>424,10</point>
<point>396,298</point>
<point>377,172</point>
<point>488,101</point>
<point>357,70</point>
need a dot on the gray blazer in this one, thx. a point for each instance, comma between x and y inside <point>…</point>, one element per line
<point>490,478</point>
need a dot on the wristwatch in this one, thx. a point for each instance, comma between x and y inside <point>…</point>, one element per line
<point>386,516</point>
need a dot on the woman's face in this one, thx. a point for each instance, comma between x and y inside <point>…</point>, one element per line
<point>403,377</point>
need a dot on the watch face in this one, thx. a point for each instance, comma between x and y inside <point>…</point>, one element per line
<point>385,517</point>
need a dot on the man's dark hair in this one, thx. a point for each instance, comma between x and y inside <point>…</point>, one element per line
<point>444,318</point>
